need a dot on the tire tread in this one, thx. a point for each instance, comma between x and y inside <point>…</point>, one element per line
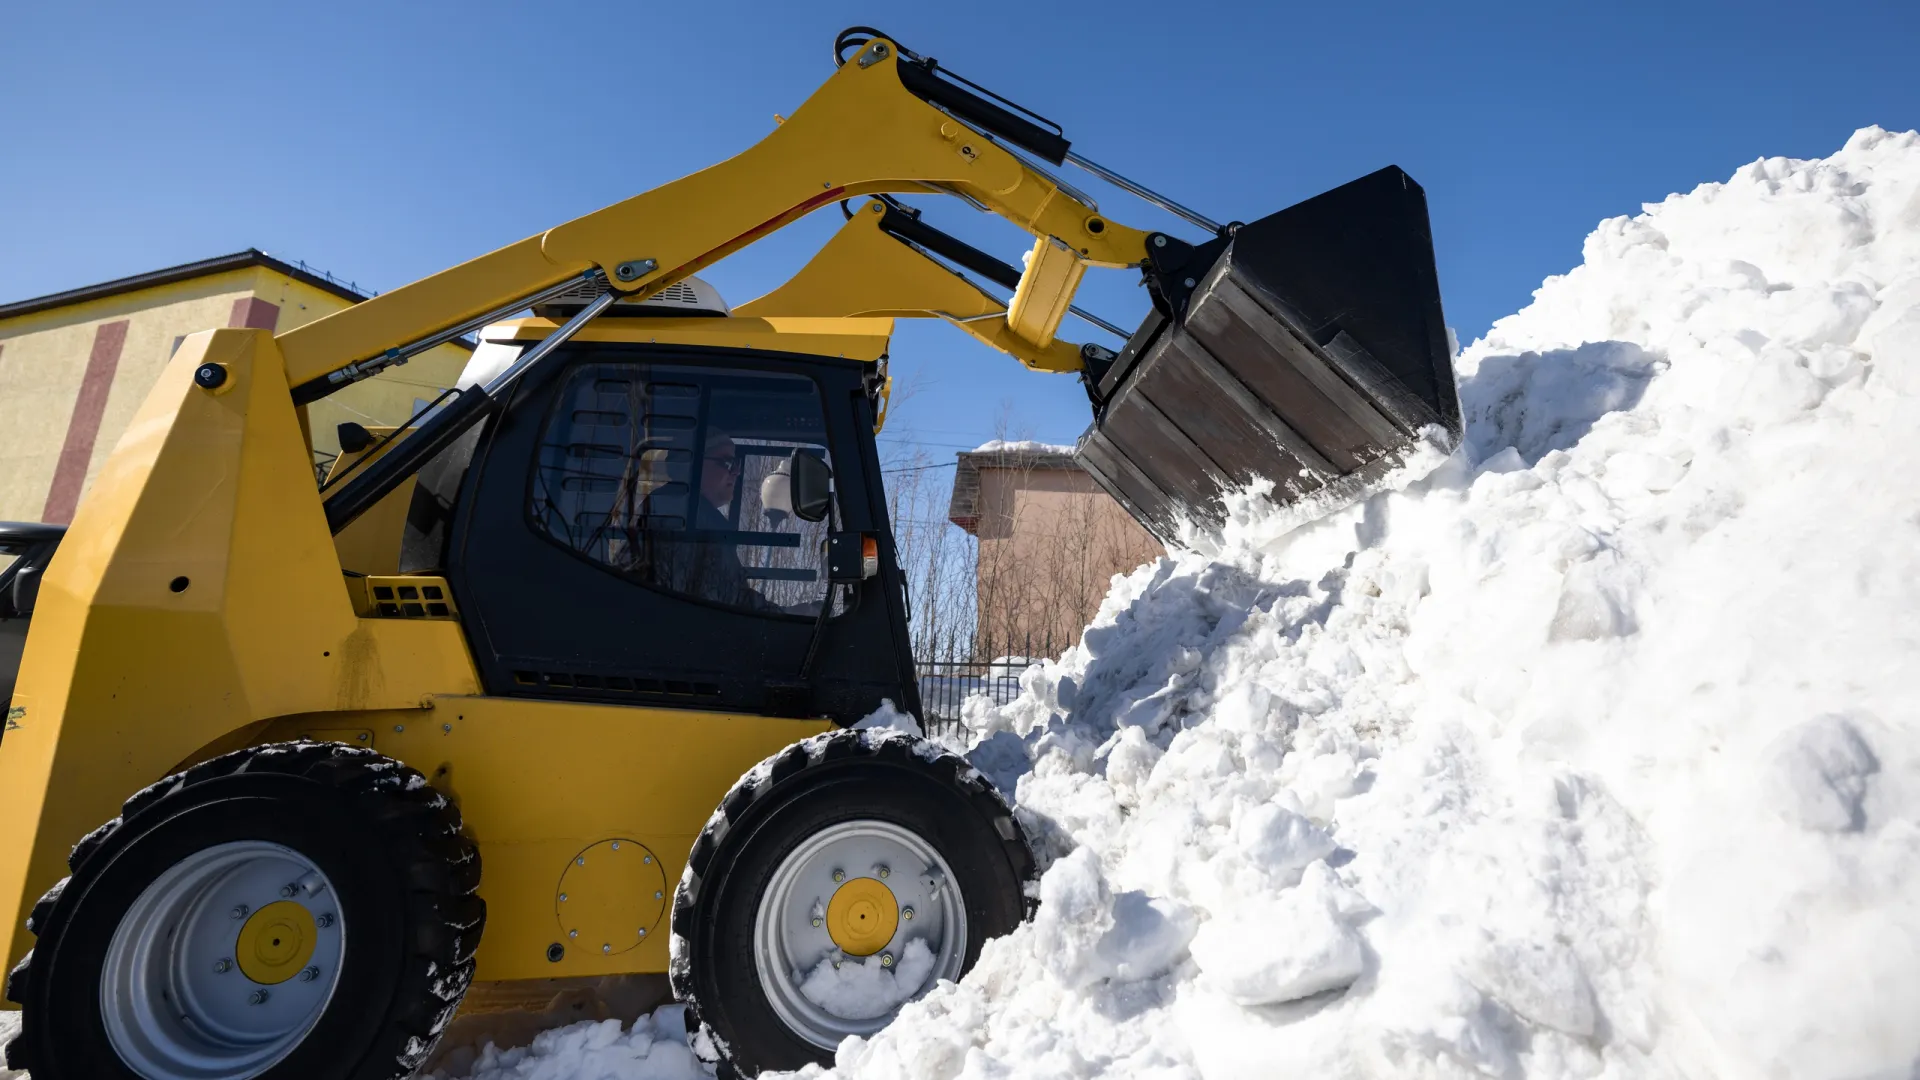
<point>443,868</point>
<point>788,771</point>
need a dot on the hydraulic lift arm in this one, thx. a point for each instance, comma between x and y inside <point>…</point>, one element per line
<point>1306,349</point>
<point>873,126</point>
<point>876,265</point>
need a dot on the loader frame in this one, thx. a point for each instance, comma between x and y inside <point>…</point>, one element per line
<point>198,604</point>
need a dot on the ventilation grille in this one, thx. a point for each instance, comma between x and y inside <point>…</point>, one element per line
<point>680,294</point>
<point>677,293</point>
<point>580,682</point>
<point>406,598</point>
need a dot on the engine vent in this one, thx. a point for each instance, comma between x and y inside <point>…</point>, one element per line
<point>601,685</point>
<point>688,296</point>
<point>405,597</point>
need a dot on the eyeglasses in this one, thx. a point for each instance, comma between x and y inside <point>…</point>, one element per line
<point>731,464</point>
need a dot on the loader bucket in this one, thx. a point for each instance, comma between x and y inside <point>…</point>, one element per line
<point>1308,348</point>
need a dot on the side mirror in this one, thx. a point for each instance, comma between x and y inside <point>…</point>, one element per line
<point>810,491</point>
<point>26,589</point>
<point>353,437</point>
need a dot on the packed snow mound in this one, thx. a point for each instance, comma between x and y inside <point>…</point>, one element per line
<point>1594,753</point>
<point>654,1047</point>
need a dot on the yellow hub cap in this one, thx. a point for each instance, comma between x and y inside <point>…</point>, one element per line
<point>276,943</point>
<point>862,916</point>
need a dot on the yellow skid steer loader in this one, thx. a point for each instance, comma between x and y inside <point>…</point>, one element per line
<point>601,620</point>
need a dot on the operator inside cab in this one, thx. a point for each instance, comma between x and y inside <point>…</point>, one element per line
<point>707,564</point>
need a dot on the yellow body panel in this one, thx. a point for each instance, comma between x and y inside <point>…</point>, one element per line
<point>538,782</point>
<point>124,678</point>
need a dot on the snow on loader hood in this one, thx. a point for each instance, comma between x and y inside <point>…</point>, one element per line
<point>1592,753</point>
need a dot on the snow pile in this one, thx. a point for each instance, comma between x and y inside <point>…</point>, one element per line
<point>1592,754</point>
<point>1020,446</point>
<point>654,1047</point>
<point>9,1027</point>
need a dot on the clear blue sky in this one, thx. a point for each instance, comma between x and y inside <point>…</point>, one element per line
<point>386,141</point>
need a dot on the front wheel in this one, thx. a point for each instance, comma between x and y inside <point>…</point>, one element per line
<point>843,878</point>
<point>293,910</point>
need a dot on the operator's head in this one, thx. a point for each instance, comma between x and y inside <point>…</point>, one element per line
<point>718,469</point>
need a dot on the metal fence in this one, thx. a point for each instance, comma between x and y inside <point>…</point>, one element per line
<point>952,676</point>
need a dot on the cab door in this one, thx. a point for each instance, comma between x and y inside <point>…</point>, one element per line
<point>619,538</point>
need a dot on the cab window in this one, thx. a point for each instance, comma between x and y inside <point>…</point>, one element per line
<point>672,476</point>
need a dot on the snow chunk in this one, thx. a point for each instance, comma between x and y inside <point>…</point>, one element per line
<point>654,1048</point>
<point>9,1028</point>
<point>1290,947</point>
<point>860,988</point>
<point>1821,769</point>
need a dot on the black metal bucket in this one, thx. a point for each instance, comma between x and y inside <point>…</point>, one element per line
<point>1309,349</point>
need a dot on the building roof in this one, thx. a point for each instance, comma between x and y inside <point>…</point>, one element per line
<point>964,508</point>
<point>219,264</point>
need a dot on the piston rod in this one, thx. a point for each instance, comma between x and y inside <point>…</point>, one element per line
<point>1147,193</point>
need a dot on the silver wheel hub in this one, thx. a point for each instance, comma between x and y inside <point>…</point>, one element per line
<point>859,919</point>
<point>223,965</point>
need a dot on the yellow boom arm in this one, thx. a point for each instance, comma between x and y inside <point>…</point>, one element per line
<point>863,271</point>
<point>862,132</point>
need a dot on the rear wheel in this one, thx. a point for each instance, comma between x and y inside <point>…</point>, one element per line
<point>296,910</point>
<point>843,878</point>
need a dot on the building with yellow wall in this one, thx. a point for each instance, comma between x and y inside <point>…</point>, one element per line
<point>74,367</point>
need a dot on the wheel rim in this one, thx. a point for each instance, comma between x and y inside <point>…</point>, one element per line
<point>832,957</point>
<point>223,965</point>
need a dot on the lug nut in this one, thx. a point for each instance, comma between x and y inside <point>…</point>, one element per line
<point>222,965</point>
<point>839,875</point>
<point>258,997</point>
<point>239,911</point>
<point>289,891</point>
<point>907,914</point>
<point>323,920</point>
<point>816,922</point>
<point>886,959</point>
<point>882,871</point>
<point>310,974</point>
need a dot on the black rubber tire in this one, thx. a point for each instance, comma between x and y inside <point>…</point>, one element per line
<point>392,848</point>
<point>841,776</point>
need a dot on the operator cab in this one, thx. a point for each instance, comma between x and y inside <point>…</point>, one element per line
<point>623,530</point>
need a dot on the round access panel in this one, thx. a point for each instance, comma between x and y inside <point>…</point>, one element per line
<point>611,897</point>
